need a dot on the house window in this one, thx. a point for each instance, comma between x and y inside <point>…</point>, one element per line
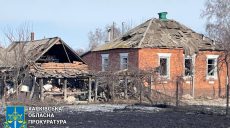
<point>105,62</point>
<point>123,61</point>
<point>164,64</point>
<point>212,66</point>
<point>188,66</point>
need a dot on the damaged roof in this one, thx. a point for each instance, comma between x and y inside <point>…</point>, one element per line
<point>33,50</point>
<point>156,33</point>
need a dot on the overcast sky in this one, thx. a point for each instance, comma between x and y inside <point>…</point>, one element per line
<point>73,19</point>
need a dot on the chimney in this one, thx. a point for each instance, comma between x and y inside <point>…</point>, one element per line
<point>109,34</point>
<point>123,28</point>
<point>162,16</point>
<point>32,36</point>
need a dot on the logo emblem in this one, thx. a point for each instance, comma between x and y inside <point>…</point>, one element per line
<point>15,117</point>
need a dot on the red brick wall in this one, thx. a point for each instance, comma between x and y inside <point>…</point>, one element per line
<point>148,58</point>
<point>94,59</point>
<point>202,85</point>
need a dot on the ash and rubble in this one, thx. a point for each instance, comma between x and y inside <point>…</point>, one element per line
<point>109,108</point>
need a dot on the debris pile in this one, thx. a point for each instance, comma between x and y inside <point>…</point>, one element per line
<point>64,66</point>
<point>51,69</point>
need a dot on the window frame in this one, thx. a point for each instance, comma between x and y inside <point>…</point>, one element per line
<point>103,57</point>
<point>122,56</point>
<point>165,56</point>
<point>214,76</point>
<point>190,68</point>
<point>193,65</point>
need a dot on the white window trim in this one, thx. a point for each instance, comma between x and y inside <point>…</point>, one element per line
<point>165,55</point>
<point>215,71</point>
<point>193,64</point>
<point>124,55</point>
<point>103,57</point>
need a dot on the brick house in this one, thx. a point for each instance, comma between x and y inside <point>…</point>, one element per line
<point>171,48</point>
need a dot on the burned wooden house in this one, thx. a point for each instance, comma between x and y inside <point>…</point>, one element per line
<point>46,67</point>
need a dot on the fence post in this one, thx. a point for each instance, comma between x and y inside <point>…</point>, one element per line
<point>96,87</point>
<point>65,89</point>
<point>33,87</point>
<point>41,89</point>
<point>141,91</point>
<point>150,86</point>
<point>113,91</point>
<point>177,92</point>
<point>89,91</point>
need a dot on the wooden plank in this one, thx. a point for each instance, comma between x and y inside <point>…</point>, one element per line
<point>65,89</point>
<point>77,93</point>
<point>89,91</point>
<point>53,93</point>
<point>68,93</point>
<point>41,89</point>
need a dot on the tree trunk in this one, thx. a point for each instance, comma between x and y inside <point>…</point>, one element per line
<point>227,88</point>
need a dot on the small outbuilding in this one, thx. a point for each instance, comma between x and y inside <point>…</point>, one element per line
<point>46,68</point>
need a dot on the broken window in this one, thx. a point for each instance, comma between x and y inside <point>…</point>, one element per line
<point>163,66</point>
<point>211,67</point>
<point>123,61</point>
<point>188,66</point>
<point>105,62</point>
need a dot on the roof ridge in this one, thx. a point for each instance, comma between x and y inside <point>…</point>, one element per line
<point>44,39</point>
<point>141,41</point>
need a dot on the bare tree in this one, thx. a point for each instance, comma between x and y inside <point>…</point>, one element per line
<point>109,33</point>
<point>80,51</point>
<point>218,27</point>
<point>96,38</point>
<point>13,57</point>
